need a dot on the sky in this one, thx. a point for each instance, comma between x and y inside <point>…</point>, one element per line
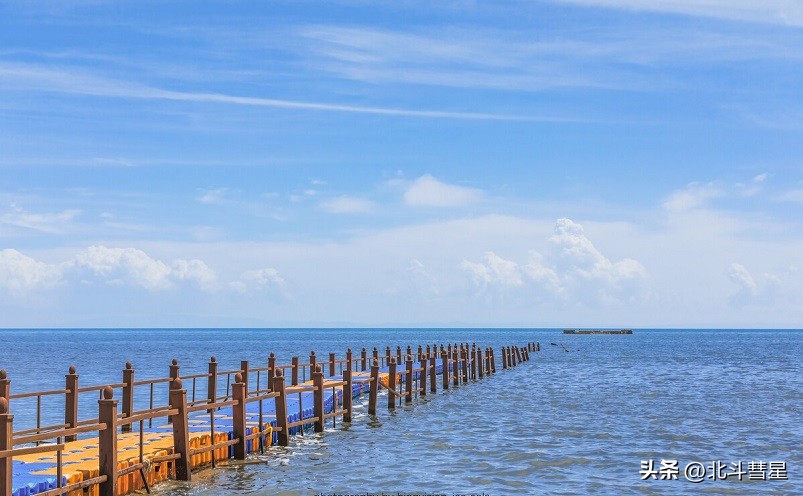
<point>552,163</point>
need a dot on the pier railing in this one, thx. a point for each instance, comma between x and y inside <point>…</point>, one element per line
<point>345,378</point>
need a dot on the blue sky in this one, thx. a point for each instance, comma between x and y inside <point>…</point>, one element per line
<point>545,163</point>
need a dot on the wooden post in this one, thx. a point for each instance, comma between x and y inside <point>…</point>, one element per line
<point>433,373</point>
<point>537,346</point>
<point>271,369</point>
<point>473,362</point>
<point>422,375</point>
<point>504,358</point>
<point>239,394</point>
<point>5,385</point>
<point>363,360</point>
<point>244,368</point>
<point>331,364</point>
<point>211,382</point>
<point>6,442</point>
<point>174,373</point>
<point>445,370</point>
<point>392,384</point>
<point>464,355</point>
<point>409,351</point>
<point>518,355</point>
<point>71,402</point>
<point>107,442</point>
<point>387,356</point>
<point>181,435</point>
<point>281,407</point>
<point>455,368</point>
<point>408,380</point>
<point>492,360</point>
<point>313,360</point>
<point>398,355</point>
<point>349,359</point>
<point>294,370</point>
<point>347,395</point>
<point>420,353</point>
<point>373,390</point>
<point>317,381</point>
<point>480,363</point>
<point>428,351</point>
<point>128,394</point>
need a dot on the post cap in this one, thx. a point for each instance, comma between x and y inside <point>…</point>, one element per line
<point>177,383</point>
<point>108,393</point>
<point>3,405</point>
<point>175,361</point>
<point>272,355</point>
<point>212,359</point>
<point>3,374</point>
<point>278,373</point>
<point>128,365</point>
<point>72,369</point>
<point>238,377</point>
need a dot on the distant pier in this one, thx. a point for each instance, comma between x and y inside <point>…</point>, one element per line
<point>123,450</point>
<point>597,331</point>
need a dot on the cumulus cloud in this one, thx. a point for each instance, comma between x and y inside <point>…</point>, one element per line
<point>424,282</point>
<point>20,273</point>
<point>426,191</point>
<point>347,205</point>
<point>575,265</point>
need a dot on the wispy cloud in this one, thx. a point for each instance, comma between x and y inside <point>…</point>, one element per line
<point>51,222</point>
<point>785,12</point>
<point>346,204</point>
<point>32,77</point>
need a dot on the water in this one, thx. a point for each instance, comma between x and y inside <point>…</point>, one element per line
<point>577,422</point>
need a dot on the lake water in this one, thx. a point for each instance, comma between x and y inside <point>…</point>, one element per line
<point>582,421</point>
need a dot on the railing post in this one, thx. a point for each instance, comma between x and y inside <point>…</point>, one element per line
<point>473,362</point>
<point>239,394</point>
<point>349,358</point>
<point>363,360</point>
<point>373,386</point>
<point>398,355</point>
<point>392,384</point>
<point>281,406</point>
<point>128,395</point>
<point>375,356</point>
<point>181,435</point>
<point>331,364</point>
<point>428,351</point>
<point>244,368</point>
<point>433,373</point>
<point>211,384</point>
<point>480,363</point>
<point>6,442</point>
<point>107,442</point>
<point>174,374</point>
<point>294,371</point>
<point>464,355</point>
<point>422,376</point>
<point>71,402</point>
<point>317,381</point>
<point>5,385</point>
<point>271,369</point>
<point>445,369</point>
<point>492,360</point>
<point>420,352</point>
<point>455,368</point>
<point>387,355</point>
<point>408,380</point>
<point>347,395</point>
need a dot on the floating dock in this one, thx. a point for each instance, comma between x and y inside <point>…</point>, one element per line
<point>597,331</point>
<point>123,450</point>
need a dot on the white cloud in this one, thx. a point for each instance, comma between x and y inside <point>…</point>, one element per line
<point>577,266</point>
<point>754,187</point>
<point>194,270</point>
<point>793,195</point>
<point>348,205</point>
<point>426,191</point>
<point>213,196</point>
<point>52,223</point>
<point>258,280</point>
<point>20,273</point>
<point>750,289</point>
<point>694,195</point>
<point>125,266</point>
<point>786,12</point>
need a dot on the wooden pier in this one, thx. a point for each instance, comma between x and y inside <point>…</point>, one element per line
<point>123,449</point>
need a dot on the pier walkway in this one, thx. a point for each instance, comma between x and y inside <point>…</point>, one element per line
<point>122,451</point>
